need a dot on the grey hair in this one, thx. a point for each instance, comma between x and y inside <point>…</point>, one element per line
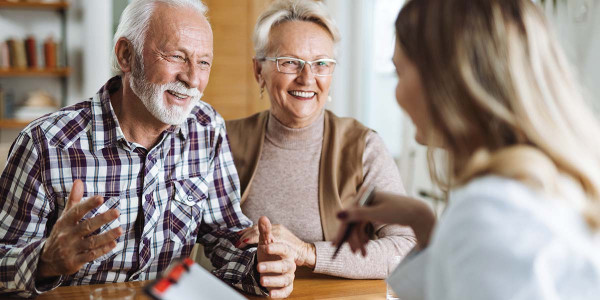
<point>282,11</point>
<point>135,21</point>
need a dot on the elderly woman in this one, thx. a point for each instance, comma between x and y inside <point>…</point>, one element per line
<point>298,163</point>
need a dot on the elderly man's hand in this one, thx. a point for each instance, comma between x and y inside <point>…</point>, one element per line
<point>70,245</point>
<point>275,262</point>
<point>305,254</point>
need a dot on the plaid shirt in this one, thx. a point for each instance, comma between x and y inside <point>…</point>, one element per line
<point>182,191</point>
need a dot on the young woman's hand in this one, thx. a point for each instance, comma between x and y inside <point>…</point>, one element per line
<point>387,208</point>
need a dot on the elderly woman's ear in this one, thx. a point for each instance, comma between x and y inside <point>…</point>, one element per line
<point>258,72</point>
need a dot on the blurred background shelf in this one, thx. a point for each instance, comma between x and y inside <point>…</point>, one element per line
<point>55,72</point>
<point>35,5</point>
<point>13,124</point>
<point>39,68</point>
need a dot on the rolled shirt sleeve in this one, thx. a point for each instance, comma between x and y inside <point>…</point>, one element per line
<point>223,218</point>
<point>25,216</point>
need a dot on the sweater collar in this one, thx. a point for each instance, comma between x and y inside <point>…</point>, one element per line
<point>295,138</point>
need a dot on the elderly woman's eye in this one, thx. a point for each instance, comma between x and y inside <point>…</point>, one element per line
<point>289,63</point>
<point>204,65</point>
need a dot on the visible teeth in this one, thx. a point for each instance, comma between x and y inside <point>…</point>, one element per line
<point>302,94</point>
<point>178,95</point>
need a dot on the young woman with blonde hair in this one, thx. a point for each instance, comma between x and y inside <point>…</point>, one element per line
<point>488,82</point>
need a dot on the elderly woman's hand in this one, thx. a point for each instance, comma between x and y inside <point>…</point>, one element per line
<point>305,253</point>
<point>275,262</point>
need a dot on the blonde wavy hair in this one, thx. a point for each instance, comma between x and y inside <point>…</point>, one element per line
<point>501,96</point>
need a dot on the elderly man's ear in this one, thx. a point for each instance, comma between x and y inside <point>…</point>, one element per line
<point>124,53</point>
<point>258,72</point>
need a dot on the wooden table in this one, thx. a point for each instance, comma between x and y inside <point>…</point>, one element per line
<point>306,286</point>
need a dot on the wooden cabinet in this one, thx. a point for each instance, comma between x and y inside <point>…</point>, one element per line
<point>232,90</point>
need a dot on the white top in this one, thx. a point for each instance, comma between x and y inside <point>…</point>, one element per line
<point>499,239</point>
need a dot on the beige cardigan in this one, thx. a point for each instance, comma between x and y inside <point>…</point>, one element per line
<point>340,170</point>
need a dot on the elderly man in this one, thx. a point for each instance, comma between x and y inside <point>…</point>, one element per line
<point>117,187</point>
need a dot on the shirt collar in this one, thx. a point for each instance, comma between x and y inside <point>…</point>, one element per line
<point>106,130</point>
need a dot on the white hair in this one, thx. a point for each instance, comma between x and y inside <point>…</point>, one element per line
<point>135,21</point>
<point>282,11</point>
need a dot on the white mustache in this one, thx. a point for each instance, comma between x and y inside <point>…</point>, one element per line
<point>180,88</point>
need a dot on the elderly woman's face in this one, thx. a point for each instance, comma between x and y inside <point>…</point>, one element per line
<point>297,99</point>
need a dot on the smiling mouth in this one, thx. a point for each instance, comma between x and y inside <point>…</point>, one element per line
<point>302,94</point>
<point>178,95</point>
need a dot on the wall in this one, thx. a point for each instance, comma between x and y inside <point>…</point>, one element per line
<point>577,23</point>
<point>232,90</point>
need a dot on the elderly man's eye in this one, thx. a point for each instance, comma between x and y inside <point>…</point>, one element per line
<point>178,57</point>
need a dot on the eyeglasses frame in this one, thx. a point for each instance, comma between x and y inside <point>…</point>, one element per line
<point>303,62</point>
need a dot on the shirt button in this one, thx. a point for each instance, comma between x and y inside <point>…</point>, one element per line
<point>190,198</point>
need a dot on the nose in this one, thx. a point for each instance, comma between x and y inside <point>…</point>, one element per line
<point>306,76</point>
<point>190,75</point>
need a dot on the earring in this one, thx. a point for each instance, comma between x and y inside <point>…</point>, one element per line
<point>262,90</point>
<point>328,98</point>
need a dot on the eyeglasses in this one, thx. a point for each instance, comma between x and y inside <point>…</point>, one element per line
<point>292,65</point>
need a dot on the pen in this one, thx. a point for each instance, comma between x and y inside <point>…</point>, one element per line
<point>365,200</point>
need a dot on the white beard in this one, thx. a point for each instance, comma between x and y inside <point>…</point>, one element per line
<point>152,95</point>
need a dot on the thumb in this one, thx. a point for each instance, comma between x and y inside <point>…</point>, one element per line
<point>75,195</point>
<point>264,231</point>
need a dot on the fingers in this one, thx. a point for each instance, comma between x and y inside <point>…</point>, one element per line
<point>248,229</point>
<point>279,233</point>
<point>264,231</point>
<point>282,293</point>
<point>280,249</point>
<point>277,281</point>
<point>75,195</point>
<point>357,214</point>
<point>353,242</point>
<point>76,213</point>
<point>249,238</point>
<point>87,256</point>
<point>98,241</point>
<point>277,276</point>
<point>358,238</point>
<point>279,267</point>
<point>90,225</point>
<point>362,238</point>
<point>340,234</point>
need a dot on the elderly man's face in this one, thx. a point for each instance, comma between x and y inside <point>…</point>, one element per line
<point>176,62</point>
<point>297,99</point>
